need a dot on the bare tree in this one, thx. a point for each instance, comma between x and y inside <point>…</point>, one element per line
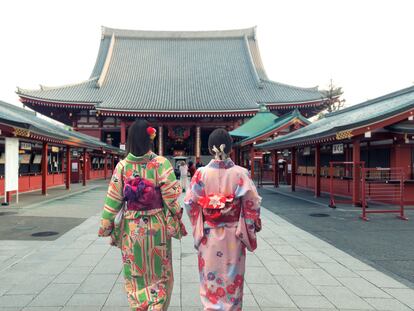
<point>334,101</point>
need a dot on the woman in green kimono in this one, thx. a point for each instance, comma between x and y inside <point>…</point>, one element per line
<point>144,188</point>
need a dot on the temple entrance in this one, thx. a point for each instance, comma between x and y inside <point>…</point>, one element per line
<point>179,141</point>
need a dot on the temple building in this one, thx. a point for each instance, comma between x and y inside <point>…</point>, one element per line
<point>184,83</point>
<point>263,127</point>
<point>48,155</point>
<point>375,137</point>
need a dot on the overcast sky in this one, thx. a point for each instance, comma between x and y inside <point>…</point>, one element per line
<point>367,47</point>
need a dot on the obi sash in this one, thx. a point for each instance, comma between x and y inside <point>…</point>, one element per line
<point>141,194</point>
<point>218,208</point>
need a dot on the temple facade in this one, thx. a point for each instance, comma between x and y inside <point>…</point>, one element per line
<point>185,84</point>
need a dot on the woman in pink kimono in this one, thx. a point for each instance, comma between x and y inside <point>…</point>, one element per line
<point>224,208</point>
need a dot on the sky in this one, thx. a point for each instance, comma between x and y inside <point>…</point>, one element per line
<point>366,47</point>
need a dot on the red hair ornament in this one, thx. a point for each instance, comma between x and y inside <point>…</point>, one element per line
<point>152,132</point>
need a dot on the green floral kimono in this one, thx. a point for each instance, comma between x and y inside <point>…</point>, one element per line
<point>146,242</point>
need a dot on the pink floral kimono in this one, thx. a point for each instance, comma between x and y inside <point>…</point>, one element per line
<point>224,208</point>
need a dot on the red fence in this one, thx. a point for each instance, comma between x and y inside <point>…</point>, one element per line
<point>343,171</point>
<point>383,187</point>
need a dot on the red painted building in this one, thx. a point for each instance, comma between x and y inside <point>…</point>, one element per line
<point>378,132</point>
<point>184,83</point>
<point>50,155</point>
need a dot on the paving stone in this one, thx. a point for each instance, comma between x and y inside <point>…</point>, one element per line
<point>318,277</point>
<point>296,285</point>
<point>117,296</point>
<point>70,278</point>
<point>175,300</point>
<point>87,300</point>
<point>405,295</point>
<point>41,309</point>
<point>86,261</point>
<point>363,288</point>
<point>380,279</point>
<point>271,295</point>
<point>249,301</point>
<point>81,308</point>
<point>253,261</point>
<point>300,262</point>
<point>317,302</point>
<point>267,254</point>
<point>317,256</point>
<point>286,250</point>
<point>343,298</point>
<point>112,308</point>
<point>31,286</point>
<point>190,275</point>
<point>15,300</point>
<point>191,298</point>
<point>98,284</point>
<point>258,275</point>
<point>337,270</point>
<point>387,304</point>
<point>55,295</point>
<point>280,267</point>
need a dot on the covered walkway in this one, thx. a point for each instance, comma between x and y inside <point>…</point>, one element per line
<point>36,154</point>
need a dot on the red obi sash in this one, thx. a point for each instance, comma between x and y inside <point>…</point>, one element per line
<point>218,208</point>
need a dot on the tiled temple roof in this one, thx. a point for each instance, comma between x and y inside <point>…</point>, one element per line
<point>341,124</point>
<point>162,71</point>
<point>14,116</point>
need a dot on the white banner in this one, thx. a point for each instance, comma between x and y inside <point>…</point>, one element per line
<point>11,172</point>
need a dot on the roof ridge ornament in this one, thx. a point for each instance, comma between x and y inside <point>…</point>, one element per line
<point>105,67</point>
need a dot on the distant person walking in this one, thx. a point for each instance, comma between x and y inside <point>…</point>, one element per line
<point>224,208</point>
<point>191,168</point>
<point>199,164</point>
<point>183,175</point>
<point>141,214</point>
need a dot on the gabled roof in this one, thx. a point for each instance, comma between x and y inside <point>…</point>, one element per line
<point>347,122</point>
<point>14,116</point>
<point>169,71</point>
<point>262,120</point>
<point>288,118</point>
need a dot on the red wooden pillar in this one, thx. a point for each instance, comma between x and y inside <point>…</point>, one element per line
<point>252,162</point>
<point>123,132</point>
<point>68,167</point>
<point>318,171</point>
<point>275,165</point>
<point>112,162</point>
<point>44,168</point>
<point>106,166</point>
<point>293,169</point>
<point>84,168</point>
<point>356,158</point>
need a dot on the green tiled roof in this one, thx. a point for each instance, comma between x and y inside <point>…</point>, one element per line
<point>277,123</point>
<point>358,115</point>
<point>262,120</point>
<point>165,71</point>
<point>23,118</point>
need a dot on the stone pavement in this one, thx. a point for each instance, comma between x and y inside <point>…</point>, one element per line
<point>291,270</point>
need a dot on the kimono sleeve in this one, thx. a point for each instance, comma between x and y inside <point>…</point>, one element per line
<point>249,222</point>
<point>195,191</point>
<point>193,208</point>
<point>170,188</point>
<point>113,201</point>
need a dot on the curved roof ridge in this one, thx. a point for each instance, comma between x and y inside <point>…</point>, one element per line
<point>252,65</point>
<point>49,88</point>
<point>161,34</point>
